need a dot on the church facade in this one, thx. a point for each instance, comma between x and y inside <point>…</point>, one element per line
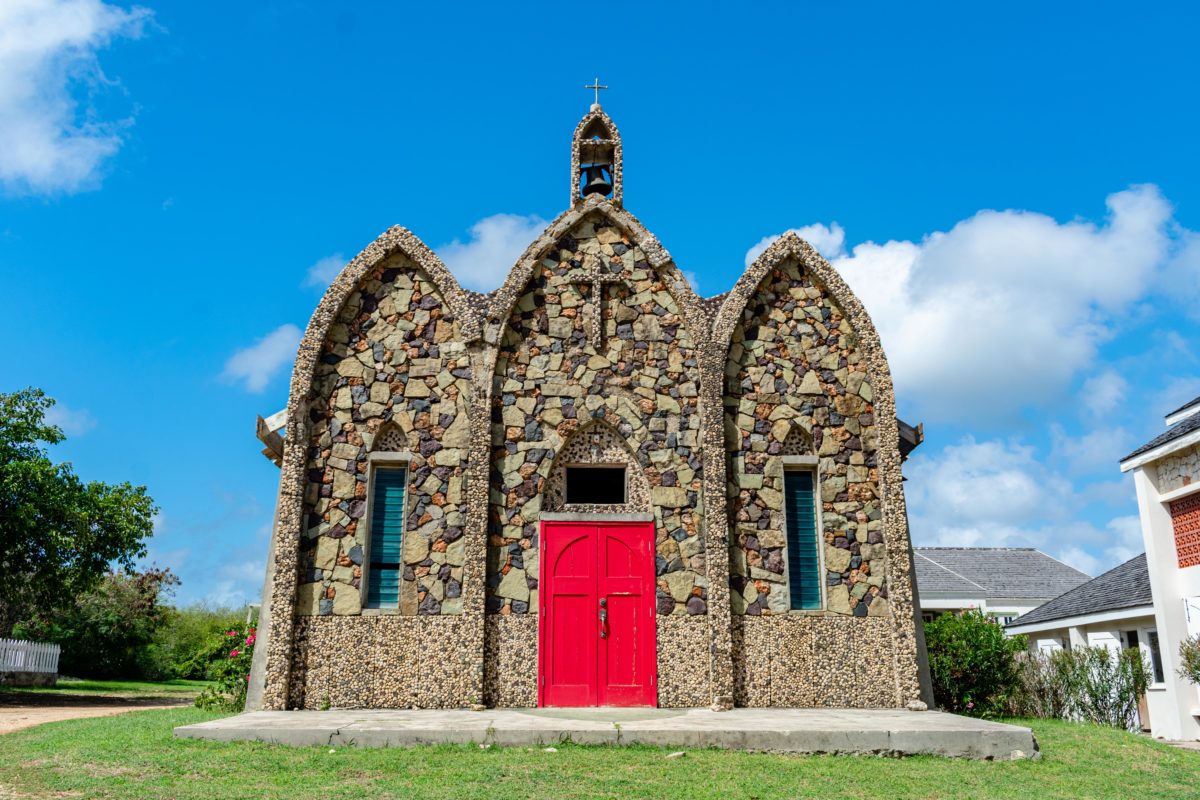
<point>590,486</point>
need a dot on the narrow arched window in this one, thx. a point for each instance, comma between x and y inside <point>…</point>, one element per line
<point>803,557</point>
<point>387,481</point>
<point>802,521</point>
<point>387,533</point>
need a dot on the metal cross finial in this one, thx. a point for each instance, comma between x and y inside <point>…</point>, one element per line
<point>596,87</point>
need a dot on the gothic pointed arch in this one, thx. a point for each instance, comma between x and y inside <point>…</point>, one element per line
<point>798,442</point>
<point>389,438</point>
<point>597,444</point>
<point>378,330</point>
<point>803,352</point>
<point>597,140</point>
<point>504,299</point>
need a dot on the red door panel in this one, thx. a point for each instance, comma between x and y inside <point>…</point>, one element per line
<point>569,641</point>
<point>597,630</point>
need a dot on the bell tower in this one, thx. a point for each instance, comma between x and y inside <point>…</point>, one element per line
<point>596,155</point>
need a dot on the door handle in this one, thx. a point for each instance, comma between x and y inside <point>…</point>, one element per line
<point>603,619</point>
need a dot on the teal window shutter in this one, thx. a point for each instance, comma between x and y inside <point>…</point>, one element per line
<point>387,526</point>
<point>803,559</point>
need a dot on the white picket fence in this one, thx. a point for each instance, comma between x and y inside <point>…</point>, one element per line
<point>20,656</point>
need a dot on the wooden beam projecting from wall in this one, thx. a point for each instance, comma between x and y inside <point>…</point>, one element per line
<point>268,433</point>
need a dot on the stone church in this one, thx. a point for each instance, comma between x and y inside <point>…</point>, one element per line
<point>589,487</point>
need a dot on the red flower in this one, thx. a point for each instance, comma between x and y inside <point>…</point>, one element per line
<point>250,639</point>
<point>231,633</point>
<point>233,653</point>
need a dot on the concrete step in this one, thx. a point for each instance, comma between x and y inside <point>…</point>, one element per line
<point>784,730</point>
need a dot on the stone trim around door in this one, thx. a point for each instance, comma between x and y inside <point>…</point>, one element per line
<point>572,516</point>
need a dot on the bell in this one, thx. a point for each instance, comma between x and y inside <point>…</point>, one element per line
<point>596,183</point>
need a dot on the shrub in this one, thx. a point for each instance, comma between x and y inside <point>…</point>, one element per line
<point>1089,684</point>
<point>188,643</point>
<point>1189,658</point>
<point>231,673</point>
<point>1045,690</point>
<point>972,663</point>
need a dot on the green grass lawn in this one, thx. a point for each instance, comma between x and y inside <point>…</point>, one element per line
<point>177,688</point>
<point>135,756</point>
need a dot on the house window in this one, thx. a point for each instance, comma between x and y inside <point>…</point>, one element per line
<point>803,558</point>
<point>387,527</point>
<point>604,486</point>
<point>1155,656</point>
<point>1131,640</point>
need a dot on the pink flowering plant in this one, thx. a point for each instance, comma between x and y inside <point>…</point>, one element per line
<point>230,674</point>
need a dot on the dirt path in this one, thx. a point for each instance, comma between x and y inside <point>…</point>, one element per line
<point>18,711</point>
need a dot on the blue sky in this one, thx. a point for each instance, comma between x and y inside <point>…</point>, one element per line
<point>1014,192</point>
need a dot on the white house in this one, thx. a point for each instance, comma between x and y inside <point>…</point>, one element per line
<point>1114,610</point>
<point>1166,474</point>
<point>1002,582</point>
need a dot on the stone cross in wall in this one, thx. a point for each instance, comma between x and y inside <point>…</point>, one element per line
<point>592,284</point>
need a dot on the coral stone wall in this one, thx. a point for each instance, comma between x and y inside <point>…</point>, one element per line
<point>1179,470</point>
<point>795,374</point>
<point>552,378</point>
<point>393,375</point>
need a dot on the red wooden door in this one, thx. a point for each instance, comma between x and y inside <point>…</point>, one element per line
<point>597,626</point>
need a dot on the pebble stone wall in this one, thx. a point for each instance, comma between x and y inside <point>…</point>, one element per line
<point>595,350</point>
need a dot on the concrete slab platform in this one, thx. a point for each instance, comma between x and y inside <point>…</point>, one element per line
<point>784,730</point>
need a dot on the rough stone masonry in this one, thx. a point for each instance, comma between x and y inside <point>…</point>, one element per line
<point>595,350</point>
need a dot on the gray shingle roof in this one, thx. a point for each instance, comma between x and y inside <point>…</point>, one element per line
<point>1188,404</point>
<point>1125,586</point>
<point>1176,431</point>
<point>993,572</point>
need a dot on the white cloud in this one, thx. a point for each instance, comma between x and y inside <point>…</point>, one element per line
<point>981,491</point>
<point>1007,308</point>
<point>999,494</point>
<point>324,271</point>
<point>257,364</point>
<point>72,421</point>
<point>484,260</point>
<point>829,241</point>
<point>1103,392</point>
<point>238,584</point>
<point>48,49</point>
<point>1098,450</point>
<point>1176,392</point>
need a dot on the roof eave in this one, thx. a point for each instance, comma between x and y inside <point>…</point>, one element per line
<point>1136,459</point>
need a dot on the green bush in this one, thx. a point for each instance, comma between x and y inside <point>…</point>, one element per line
<point>1088,684</point>
<point>1189,658</point>
<point>231,672</point>
<point>972,663</point>
<point>188,643</point>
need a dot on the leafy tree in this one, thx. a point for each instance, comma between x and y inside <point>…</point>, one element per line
<point>58,535</point>
<point>1189,659</point>
<point>972,663</point>
<point>104,633</point>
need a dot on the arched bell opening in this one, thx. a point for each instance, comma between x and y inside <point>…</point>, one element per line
<point>596,159</point>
